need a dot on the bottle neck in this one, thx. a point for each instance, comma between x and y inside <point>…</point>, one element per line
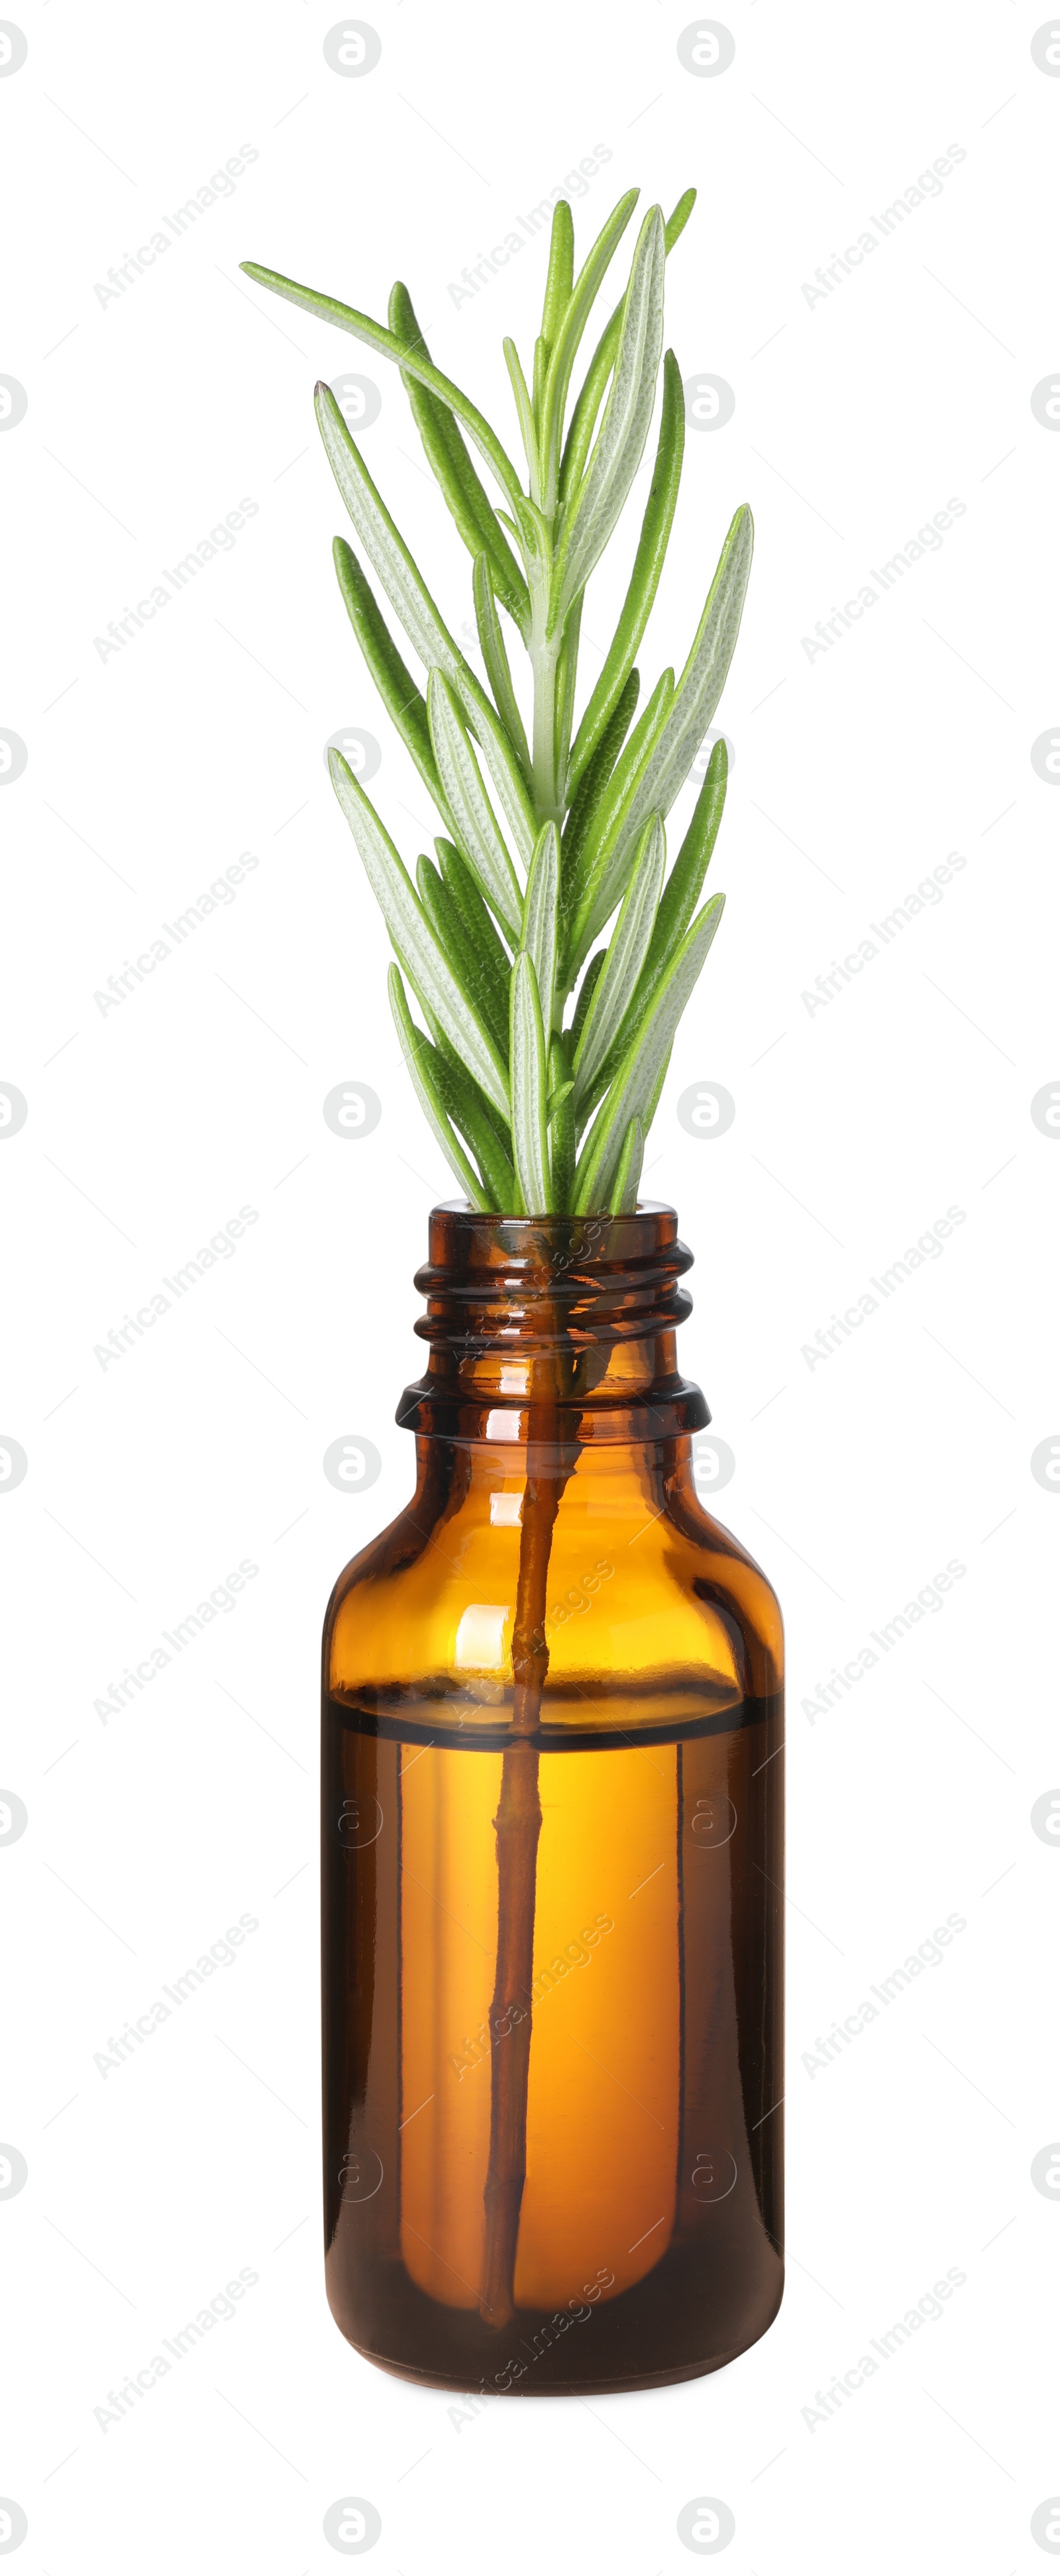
<point>558,1332</point>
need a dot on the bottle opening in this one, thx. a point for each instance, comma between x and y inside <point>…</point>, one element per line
<point>555,1330</point>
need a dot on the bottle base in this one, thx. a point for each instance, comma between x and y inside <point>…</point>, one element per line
<point>604,2384</point>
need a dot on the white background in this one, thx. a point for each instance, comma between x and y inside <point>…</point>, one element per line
<point>857,417</point>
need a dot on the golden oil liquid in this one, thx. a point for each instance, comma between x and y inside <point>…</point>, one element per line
<point>651,2164</point>
<point>601,2162</point>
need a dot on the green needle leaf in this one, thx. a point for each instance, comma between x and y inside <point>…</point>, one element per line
<point>560,272</point>
<point>540,917</point>
<point>529,1079</point>
<point>657,1093</point>
<point>626,1182</point>
<point>679,218</point>
<point>603,867</point>
<point>404,702</point>
<point>639,1075</point>
<point>594,779</point>
<point>478,921</point>
<point>501,761</point>
<point>463,1102</point>
<point>495,657</point>
<point>527,425</point>
<point>566,337</point>
<point>592,393</point>
<point>448,458</point>
<point>328,309</point>
<point>644,579</point>
<point>422,1060</point>
<point>682,889</point>
<point>706,670</point>
<point>625,957</point>
<point>562,1139</point>
<point>589,982</point>
<point>679,900</point>
<point>673,747</point>
<point>600,496</point>
<point>540,371</point>
<point>425,963</point>
<point>488,993</point>
<point>426,630</point>
<point>386,550</point>
<point>473,815</point>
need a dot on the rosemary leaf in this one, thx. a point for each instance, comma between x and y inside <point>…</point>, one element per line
<point>560,273</point>
<point>683,885</point>
<point>635,1082</point>
<point>426,964</point>
<point>644,579</point>
<point>404,702</point>
<point>469,805</point>
<point>447,455</point>
<point>616,985</point>
<point>386,549</point>
<point>561,1133</point>
<point>477,919</point>
<point>703,678</point>
<point>525,415</point>
<point>595,506</point>
<point>328,309</point>
<point>567,336</point>
<point>488,995</point>
<point>602,867</point>
<point>420,1058</point>
<point>594,778</point>
<point>628,1170</point>
<point>495,657</point>
<point>540,917</point>
<point>529,1079</point>
<point>594,388</point>
<point>593,971</point>
<point>425,628</point>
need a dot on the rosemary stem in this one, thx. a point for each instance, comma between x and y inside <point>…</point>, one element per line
<point>518,1825</point>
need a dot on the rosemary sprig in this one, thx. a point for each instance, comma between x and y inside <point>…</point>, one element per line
<point>552,829</point>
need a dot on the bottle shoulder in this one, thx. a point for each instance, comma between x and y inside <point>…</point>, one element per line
<point>644,1589</point>
<point>723,1571</point>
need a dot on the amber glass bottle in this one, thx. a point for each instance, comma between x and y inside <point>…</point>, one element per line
<point>552,1850</point>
